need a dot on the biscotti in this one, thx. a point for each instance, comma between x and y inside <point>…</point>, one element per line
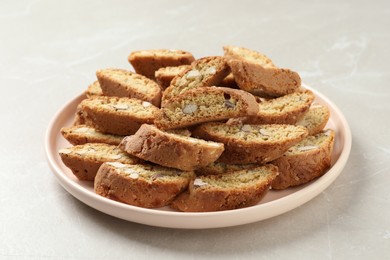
<point>307,160</point>
<point>223,168</point>
<point>165,75</point>
<point>81,134</point>
<point>171,150</point>
<point>315,119</point>
<point>85,160</point>
<point>257,74</point>
<point>197,135</point>
<point>287,109</point>
<point>245,144</point>
<point>264,81</point>
<point>147,186</point>
<point>205,104</point>
<point>226,191</point>
<point>207,71</point>
<point>113,115</point>
<point>94,90</point>
<point>123,83</point>
<point>235,52</point>
<point>147,62</point>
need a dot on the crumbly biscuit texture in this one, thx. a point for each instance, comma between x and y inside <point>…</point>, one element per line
<point>171,150</point>
<point>207,71</point>
<point>165,75</point>
<point>223,168</point>
<point>113,115</point>
<point>246,144</point>
<point>148,186</point>
<point>315,119</point>
<point>94,90</point>
<point>287,109</point>
<point>123,83</point>
<point>306,161</point>
<point>81,134</point>
<point>205,104</point>
<point>147,62</point>
<point>84,160</point>
<point>235,52</point>
<point>264,81</point>
<point>201,135</point>
<point>229,191</point>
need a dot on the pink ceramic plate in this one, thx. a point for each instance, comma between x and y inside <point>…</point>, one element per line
<point>273,204</point>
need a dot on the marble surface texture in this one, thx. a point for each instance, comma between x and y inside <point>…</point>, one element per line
<point>50,51</point>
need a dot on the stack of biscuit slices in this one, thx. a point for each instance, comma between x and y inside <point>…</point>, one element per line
<point>197,135</point>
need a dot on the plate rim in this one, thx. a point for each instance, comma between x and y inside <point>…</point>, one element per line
<point>199,220</point>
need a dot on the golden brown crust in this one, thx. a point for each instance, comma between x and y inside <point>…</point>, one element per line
<point>81,134</point>
<point>315,119</point>
<point>113,115</point>
<point>209,104</point>
<point>94,90</point>
<point>232,194</point>
<point>287,109</point>
<point>207,71</point>
<point>85,160</point>
<point>171,150</point>
<point>147,62</point>
<point>251,143</point>
<point>296,168</point>
<point>264,81</point>
<point>165,75</point>
<point>223,168</point>
<point>153,191</point>
<point>234,52</point>
<point>123,83</point>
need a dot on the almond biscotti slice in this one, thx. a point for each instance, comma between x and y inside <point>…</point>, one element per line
<point>305,161</point>
<point>205,104</point>
<point>165,75</point>
<point>287,109</point>
<point>207,71</point>
<point>229,191</point>
<point>148,186</point>
<point>264,81</point>
<point>257,74</point>
<point>245,144</point>
<point>171,150</point>
<point>235,52</point>
<point>113,115</point>
<point>223,168</point>
<point>147,62</point>
<point>94,90</point>
<point>84,160</point>
<point>315,120</point>
<point>82,134</point>
<point>123,83</point>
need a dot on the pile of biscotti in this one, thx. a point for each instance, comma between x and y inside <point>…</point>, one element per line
<point>197,135</point>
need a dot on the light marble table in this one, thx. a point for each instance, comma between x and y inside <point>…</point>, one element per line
<point>50,51</point>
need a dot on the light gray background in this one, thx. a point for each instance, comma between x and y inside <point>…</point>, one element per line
<point>50,50</point>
